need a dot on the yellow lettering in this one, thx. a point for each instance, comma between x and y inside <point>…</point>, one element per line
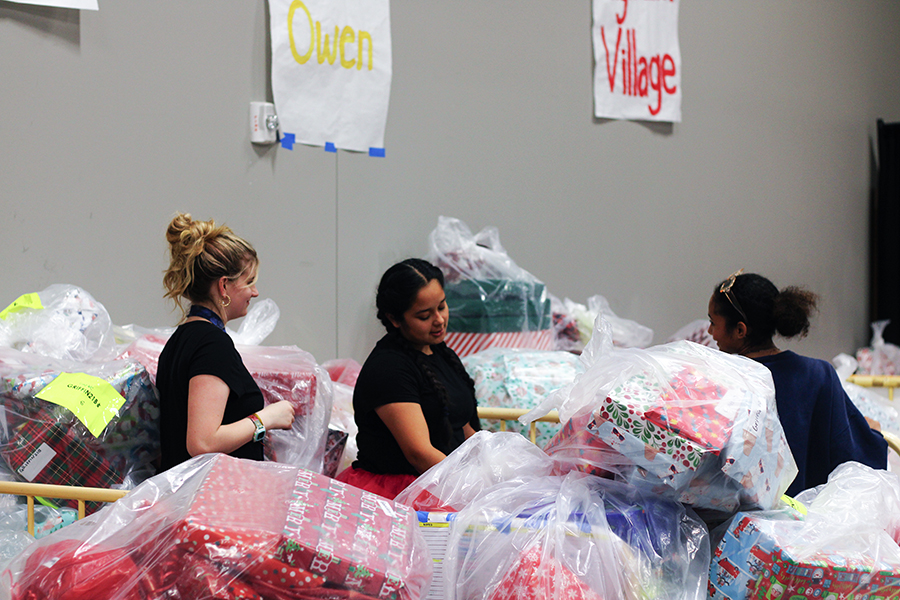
<point>364,35</point>
<point>347,35</point>
<point>328,54</point>
<point>294,5</point>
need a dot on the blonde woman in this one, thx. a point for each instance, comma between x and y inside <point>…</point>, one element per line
<point>209,402</point>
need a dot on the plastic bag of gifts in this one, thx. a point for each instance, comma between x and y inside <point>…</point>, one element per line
<point>484,460</point>
<point>578,537</point>
<point>62,321</point>
<point>687,421</point>
<point>521,379</point>
<point>493,301</point>
<point>870,403</point>
<point>78,424</point>
<point>226,528</point>
<point>880,357</point>
<point>626,333</point>
<point>282,373</point>
<point>838,541</point>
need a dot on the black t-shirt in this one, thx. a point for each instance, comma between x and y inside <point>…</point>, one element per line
<point>390,374</point>
<point>201,348</point>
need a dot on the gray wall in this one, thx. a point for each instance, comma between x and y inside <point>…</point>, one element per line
<point>113,120</point>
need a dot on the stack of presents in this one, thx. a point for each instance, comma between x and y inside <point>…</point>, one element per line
<point>665,477</point>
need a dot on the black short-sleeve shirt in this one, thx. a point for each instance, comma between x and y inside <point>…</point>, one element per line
<point>390,374</point>
<point>201,348</point>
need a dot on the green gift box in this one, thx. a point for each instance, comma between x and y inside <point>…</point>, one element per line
<point>497,305</point>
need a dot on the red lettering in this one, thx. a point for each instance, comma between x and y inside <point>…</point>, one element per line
<point>621,19</point>
<point>656,84</point>
<point>667,71</point>
<point>642,77</point>
<point>611,76</point>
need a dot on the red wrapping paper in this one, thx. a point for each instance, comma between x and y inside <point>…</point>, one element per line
<point>353,538</point>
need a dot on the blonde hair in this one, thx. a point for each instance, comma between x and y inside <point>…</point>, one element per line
<point>202,252</point>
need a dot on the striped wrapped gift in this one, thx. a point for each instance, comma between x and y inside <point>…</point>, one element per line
<point>465,344</point>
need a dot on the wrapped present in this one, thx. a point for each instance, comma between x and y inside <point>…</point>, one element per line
<point>465,344</point>
<point>282,373</point>
<point>481,462</point>
<point>576,536</point>
<point>685,420</point>
<point>62,322</point>
<point>43,441</point>
<point>517,378</point>
<point>840,542</point>
<point>498,313</point>
<point>493,302</point>
<point>215,527</point>
<point>352,538</point>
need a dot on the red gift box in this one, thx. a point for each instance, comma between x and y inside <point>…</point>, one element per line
<point>540,576</point>
<point>355,539</point>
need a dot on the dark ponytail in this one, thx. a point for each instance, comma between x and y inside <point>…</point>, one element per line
<point>767,311</point>
<point>397,291</point>
<point>399,286</point>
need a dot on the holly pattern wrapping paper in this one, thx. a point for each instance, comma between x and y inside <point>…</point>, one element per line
<point>354,539</point>
<point>687,421</point>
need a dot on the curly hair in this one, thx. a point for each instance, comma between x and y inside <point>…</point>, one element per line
<point>201,252</point>
<point>768,311</point>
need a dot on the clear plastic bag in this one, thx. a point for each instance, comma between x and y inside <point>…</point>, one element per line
<point>289,373</point>
<point>518,378</point>
<point>626,333</point>
<point>460,254</point>
<point>282,373</point>
<point>343,370</point>
<point>493,302</point>
<point>697,332</point>
<point>565,327</point>
<point>579,537</point>
<point>687,421</point>
<point>61,322</point>
<point>220,527</point>
<point>880,358</point>
<point>481,462</point>
<point>842,544</point>
<point>44,442</point>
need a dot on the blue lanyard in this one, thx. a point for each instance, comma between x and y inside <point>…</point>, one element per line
<point>205,313</point>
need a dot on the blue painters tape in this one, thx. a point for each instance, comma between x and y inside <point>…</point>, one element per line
<point>287,141</point>
<point>329,147</point>
<point>378,152</point>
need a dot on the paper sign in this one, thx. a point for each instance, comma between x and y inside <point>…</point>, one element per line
<point>637,60</point>
<point>331,71</point>
<point>84,4</point>
<point>21,303</point>
<point>93,400</point>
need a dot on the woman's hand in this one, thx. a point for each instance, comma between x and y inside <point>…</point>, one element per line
<point>207,397</point>
<point>408,426</point>
<point>279,415</point>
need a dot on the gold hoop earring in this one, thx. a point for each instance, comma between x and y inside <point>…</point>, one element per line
<point>227,302</point>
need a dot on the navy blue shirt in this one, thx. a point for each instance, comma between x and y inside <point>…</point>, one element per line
<point>822,426</point>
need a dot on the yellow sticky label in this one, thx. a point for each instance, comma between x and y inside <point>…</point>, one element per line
<point>21,303</point>
<point>799,507</point>
<point>93,400</point>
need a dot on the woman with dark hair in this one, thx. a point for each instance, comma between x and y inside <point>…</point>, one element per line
<point>413,402</point>
<point>822,426</point>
